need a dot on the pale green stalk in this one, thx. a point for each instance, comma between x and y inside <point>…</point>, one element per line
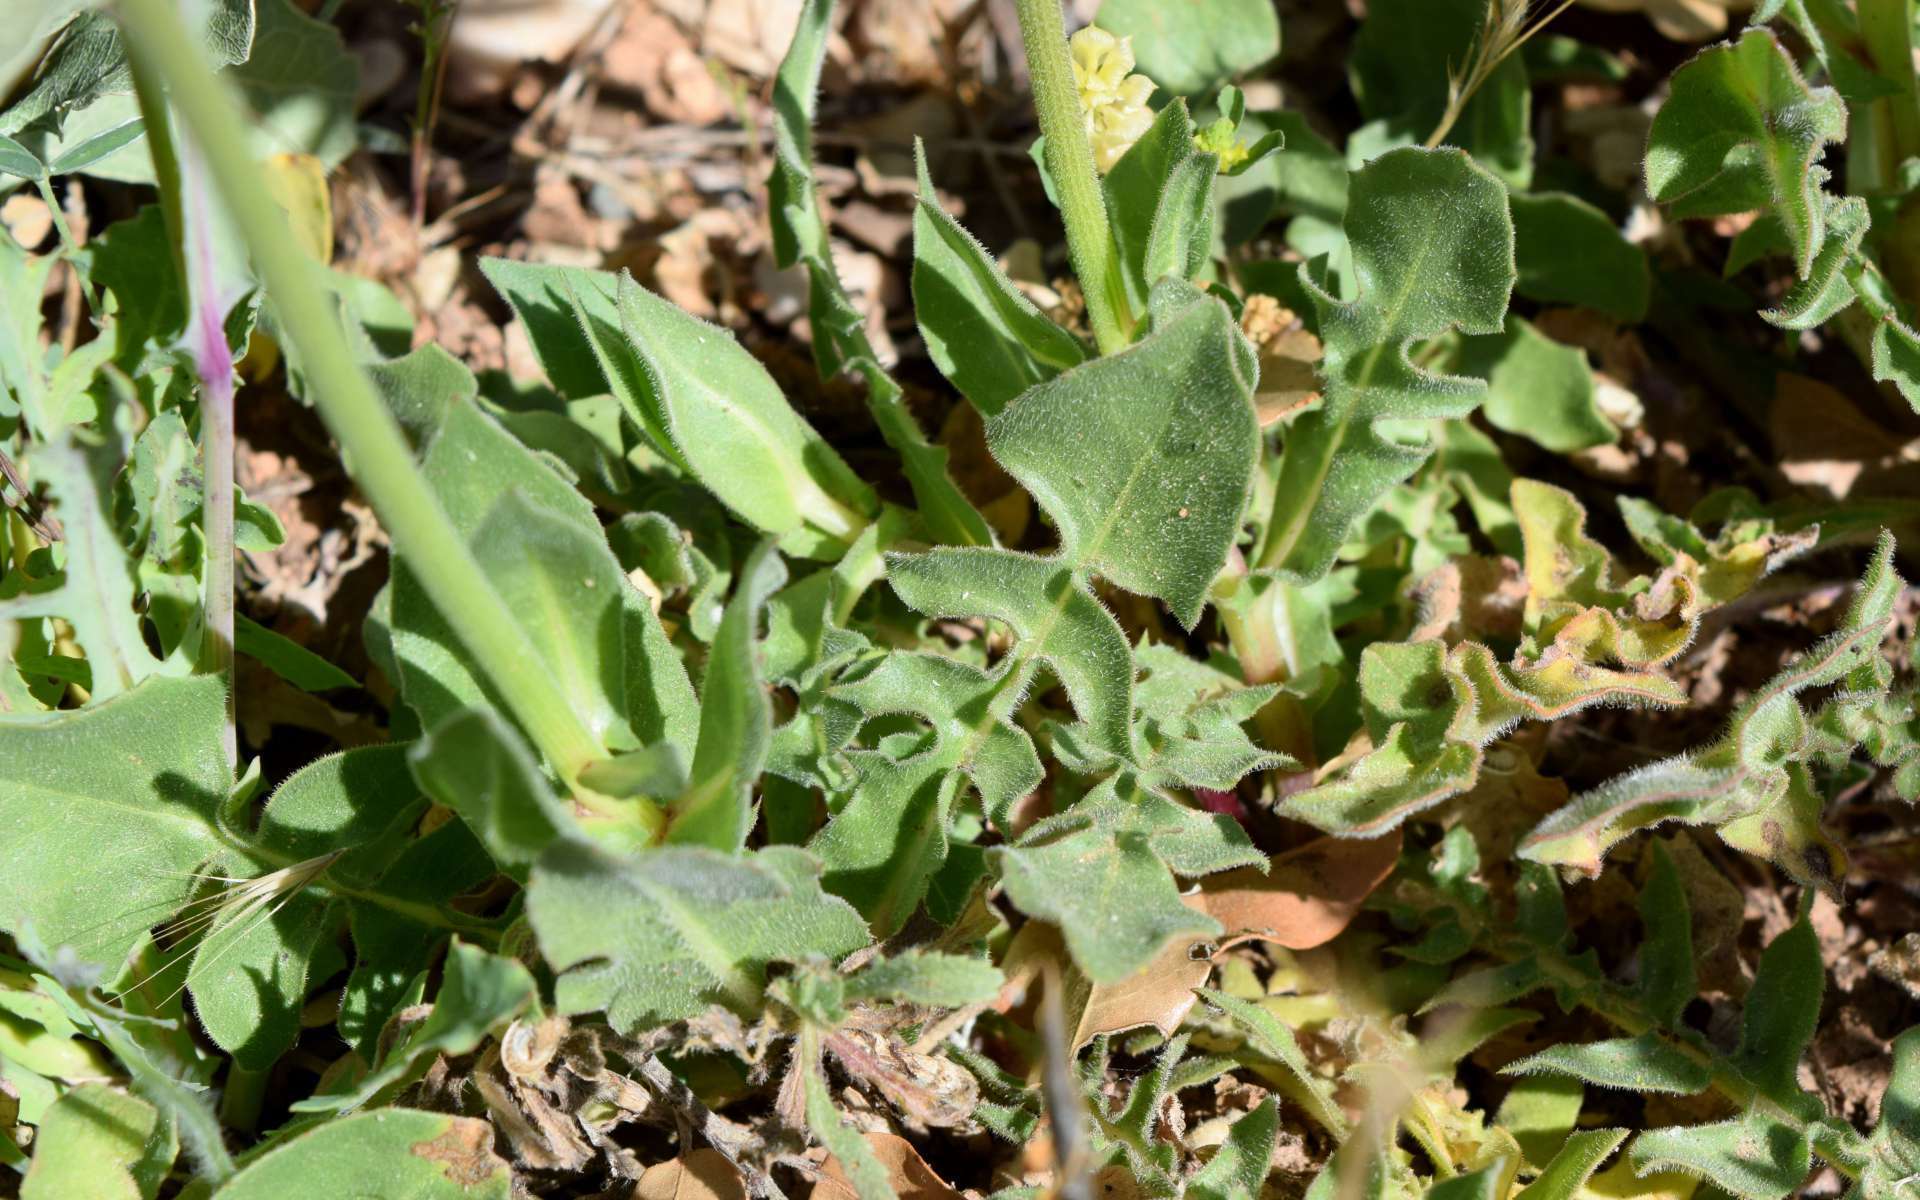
<point>1887,28</point>
<point>1056,98</point>
<point>376,451</point>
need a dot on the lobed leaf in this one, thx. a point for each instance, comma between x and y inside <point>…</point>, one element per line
<point>1753,783</point>
<point>1752,1157</point>
<point>1420,269</point>
<point>1741,130</point>
<point>702,930</point>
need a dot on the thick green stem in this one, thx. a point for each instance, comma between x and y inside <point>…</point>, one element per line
<point>1070,165</point>
<point>1887,28</point>
<point>376,451</point>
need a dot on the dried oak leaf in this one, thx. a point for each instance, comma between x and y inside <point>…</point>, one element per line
<point>1681,20</point>
<point>700,1175</point>
<point>1307,896</point>
<point>911,1177</point>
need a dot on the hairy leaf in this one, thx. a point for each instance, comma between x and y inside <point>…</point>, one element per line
<point>1752,1157</point>
<point>383,1152</point>
<point>1741,130</point>
<point>1753,784</point>
<point>800,235</point>
<point>1111,854</point>
<point>1420,269</point>
<point>985,336</point>
<point>126,790</point>
<point>703,927</point>
<point>1641,1064</point>
<point>697,395</point>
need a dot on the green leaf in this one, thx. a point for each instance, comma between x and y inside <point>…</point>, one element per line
<point>1240,1165</point>
<point>1193,49</point>
<point>1753,1157</point>
<point>1274,1041</point>
<point>1143,458</point>
<point>1540,1111</point>
<point>1741,130</point>
<point>1400,68</point>
<point>101,1143</point>
<point>16,159</point>
<point>1191,719</point>
<point>1422,266</point>
<point>97,147</point>
<point>287,658</point>
<point>1100,871</point>
<point>884,847</point>
<point>1782,1011</point>
<point>87,62</point>
<point>699,927</point>
<point>698,396</point>
<point>1569,252</point>
<point>1538,388</point>
<point>1754,783</point>
<point>96,588</point>
<point>1565,1178</point>
<point>479,766</point>
<point>800,235</point>
<point>985,336</point>
<point>399,915</point>
<point>1483,1184</point>
<point>1667,979</point>
<point>1895,1144</point>
<point>122,794</point>
<point>301,81</point>
<point>1057,620</point>
<point>480,993</point>
<point>547,557</point>
<point>1136,188</point>
<point>736,719</point>
<point>1180,241</point>
<point>384,1154</point>
<point>926,977</point>
<point>249,974</point>
<point>1640,1064</point>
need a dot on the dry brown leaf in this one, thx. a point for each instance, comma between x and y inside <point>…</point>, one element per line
<point>1307,896</point>
<point>702,1175</point>
<point>750,35</point>
<point>491,36</point>
<point>911,1177</point>
<point>650,55</point>
<point>1289,359</point>
<point>1160,994</point>
<point>1471,597</point>
<point>1825,442</point>
<point>27,218</point>
<point>1899,964</point>
<point>1681,20</point>
<point>929,1091</point>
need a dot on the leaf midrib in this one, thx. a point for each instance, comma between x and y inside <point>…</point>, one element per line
<point>1298,522</point>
